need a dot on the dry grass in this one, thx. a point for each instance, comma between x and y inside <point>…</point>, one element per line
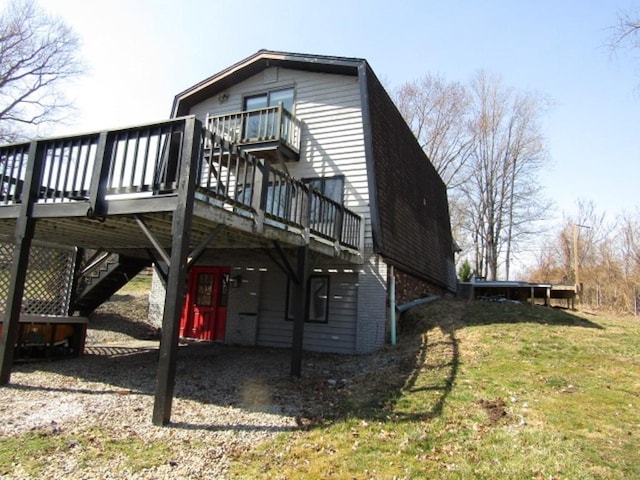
<point>489,391</point>
<point>472,390</point>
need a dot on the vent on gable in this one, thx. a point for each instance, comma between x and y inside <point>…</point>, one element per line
<point>270,75</point>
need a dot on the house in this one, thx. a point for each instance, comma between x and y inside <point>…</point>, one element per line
<point>275,205</point>
<point>328,122</point>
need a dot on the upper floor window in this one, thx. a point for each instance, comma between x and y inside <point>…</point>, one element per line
<point>261,124</point>
<point>270,99</point>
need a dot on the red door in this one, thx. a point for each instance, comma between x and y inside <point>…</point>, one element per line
<point>205,311</point>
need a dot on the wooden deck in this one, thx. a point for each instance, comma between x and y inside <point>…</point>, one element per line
<point>164,192</point>
<point>96,190</point>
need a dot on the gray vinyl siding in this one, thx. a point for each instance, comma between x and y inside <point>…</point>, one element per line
<point>332,141</point>
<point>372,305</point>
<point>337,335</point>
<point>261,298</point>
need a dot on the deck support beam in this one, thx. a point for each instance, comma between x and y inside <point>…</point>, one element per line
<point>152,238</point>
<point>283,262</point>
<point>160,267</point>
<point>300,307</point>
<point>23,235</point>
<point>299,279</point>
<point>180,227</point>
<point>199,250</point>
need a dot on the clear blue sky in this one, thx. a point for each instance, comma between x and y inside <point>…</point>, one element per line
<point>142,52</point>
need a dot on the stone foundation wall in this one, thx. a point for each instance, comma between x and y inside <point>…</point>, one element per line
<point>410,288</point>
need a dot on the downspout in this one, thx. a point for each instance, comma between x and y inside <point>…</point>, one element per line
<point>392,301</point>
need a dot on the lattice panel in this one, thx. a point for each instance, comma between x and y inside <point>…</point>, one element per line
<point>49,279</point>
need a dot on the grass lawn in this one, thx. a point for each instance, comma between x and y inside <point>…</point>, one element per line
<point>472,391</point>
<point>481,391</point>
<point>139,283</point>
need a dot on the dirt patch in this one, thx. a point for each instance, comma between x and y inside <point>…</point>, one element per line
<point>496,409</point>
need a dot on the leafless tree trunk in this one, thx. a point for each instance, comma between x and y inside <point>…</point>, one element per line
<point>37,54</point>
<point>630,244</point>
<point>503,193</point>
<point>485,142</point>
<point>604,255</point>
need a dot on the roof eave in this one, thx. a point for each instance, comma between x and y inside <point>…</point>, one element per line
<point>255,64</point>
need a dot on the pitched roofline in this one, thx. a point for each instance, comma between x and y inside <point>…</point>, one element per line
<point>256,63</point>
<point>363,72</point>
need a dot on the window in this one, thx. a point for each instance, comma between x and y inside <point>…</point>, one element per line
<point>332,187</point>
<point>270,99</point>
<point>261,124</point>
<point>204,290</point>
<point>323,214</point>
<point>318,296</point>
<point>317,299</point>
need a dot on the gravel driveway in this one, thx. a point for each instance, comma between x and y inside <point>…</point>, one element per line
<point>226,398</point>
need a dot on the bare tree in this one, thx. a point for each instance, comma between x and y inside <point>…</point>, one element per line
<point>486,143</point>
<point>626,32</point>
<point>630,244</point>
<point>436,111</point>
<point>502,194</point>
<point>38,53</point>
<point>597,254</point>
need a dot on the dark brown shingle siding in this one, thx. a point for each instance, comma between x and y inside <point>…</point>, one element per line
<point>414,230</point>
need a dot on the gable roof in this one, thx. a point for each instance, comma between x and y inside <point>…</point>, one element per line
<point>254,64</point>
<point>408,201</point>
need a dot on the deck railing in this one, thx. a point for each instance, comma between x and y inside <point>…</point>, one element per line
<point>258,126</point>
<point>13,167</point>
<point>331,220</point>
<point>243,182</point>
<point>134,160</point>
<point>146,161</point>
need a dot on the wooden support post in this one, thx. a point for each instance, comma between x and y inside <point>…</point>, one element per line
<point>98,188</point>
<point>547,297</point>
<point>337,228</point>
<point>533,296</point>
<point>300,306</point>
<point>24,229</point>
<point>180,230</point>
<point>259,193</point>
<point>78,255</point>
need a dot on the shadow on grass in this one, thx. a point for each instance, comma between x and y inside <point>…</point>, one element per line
<point>417,385</point>
<point>124,314</point>
<point>486,313</point>
<point>424,364</point>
